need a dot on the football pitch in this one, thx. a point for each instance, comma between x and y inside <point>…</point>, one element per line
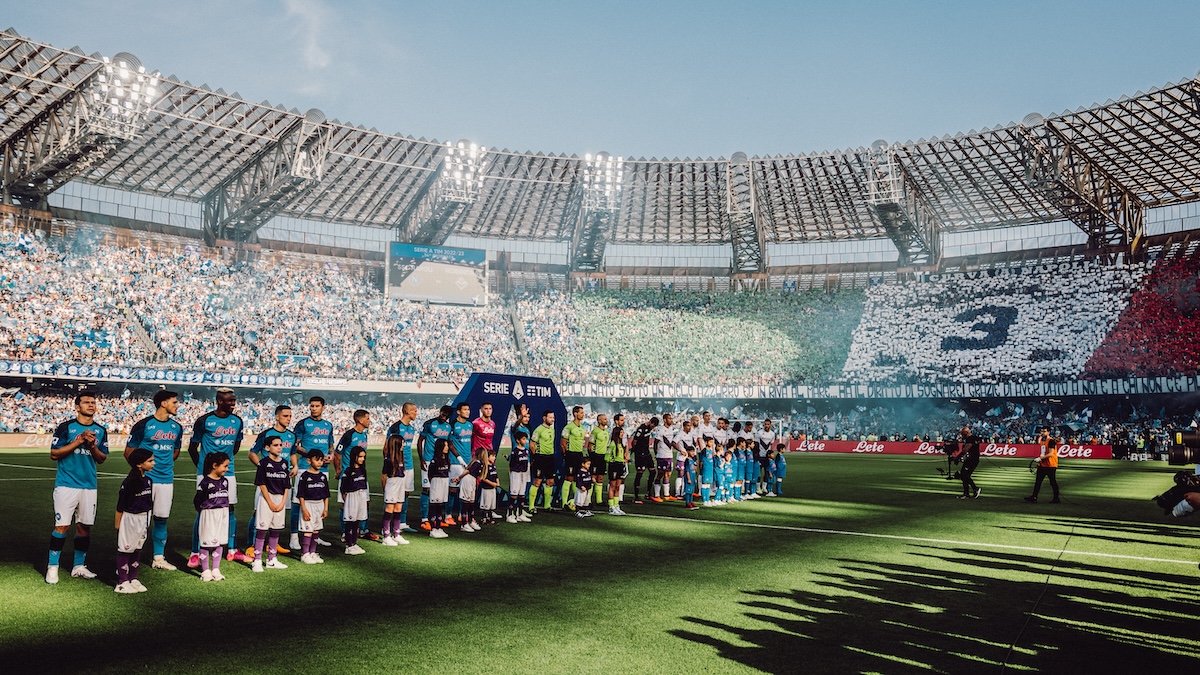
<point>867,564</point>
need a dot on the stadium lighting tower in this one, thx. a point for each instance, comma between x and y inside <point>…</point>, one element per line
<point>903,211</point>
<point>79,131</point>
<point>600,179</point>
<point>461,179</point>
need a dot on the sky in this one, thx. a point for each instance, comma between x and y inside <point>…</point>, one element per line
<point>647,79</point>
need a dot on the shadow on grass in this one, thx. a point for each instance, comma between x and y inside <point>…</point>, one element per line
<point>968,611</point>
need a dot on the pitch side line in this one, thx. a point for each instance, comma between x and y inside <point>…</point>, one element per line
<point>924,540</point>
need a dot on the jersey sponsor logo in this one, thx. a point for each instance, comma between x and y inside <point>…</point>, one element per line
<point>161,435</point>
<point>223,431</point>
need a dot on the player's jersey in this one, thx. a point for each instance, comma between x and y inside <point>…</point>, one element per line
<point>216,434</point>
<point>432,430</point>
<point>706,464</point>
<point>518,459</point>
<point>409,433</point>
<point>460,441</point>
<point>439,465</point>
<point>313,435</point>
<point>575,436</point>
<point>475,468</point>
<point>78,469</point>
<point>600,440</point>
<point>722,437</point>
<point>212,493</point>
<point>164,439</point>
<point>583,479</point>
<point>664,441</point>
<point>314,487</point>
<point>273,473</point>
<point>483,436</point>
<point>707,431</point>
<point>688,440</point>
<point>353,480</point>
<point>286,437</point>
<point>393,470</point>
<point>689,471</point>
<point>492,475</point>
<point>642,437</point>
<point>349,440</point>
<point>765,439</point>
<point>780,466</point>
<point>615,452</point>
<point>543,440</point>
<point>136,494</point>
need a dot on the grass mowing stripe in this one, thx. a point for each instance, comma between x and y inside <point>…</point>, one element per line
<point>923,540</point>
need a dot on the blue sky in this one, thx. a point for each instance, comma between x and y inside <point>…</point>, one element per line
<point>663,79</point>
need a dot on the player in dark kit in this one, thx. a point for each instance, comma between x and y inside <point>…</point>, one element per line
<point>643,460</point>
<point>969,452</point>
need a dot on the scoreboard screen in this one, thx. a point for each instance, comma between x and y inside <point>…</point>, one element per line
<point>438,274</point>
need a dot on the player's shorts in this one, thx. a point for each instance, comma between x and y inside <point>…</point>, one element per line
<point>162,493</point>
<point>131,536</point>
<point>487,499</point>
<point>456,472</point>
<point>643,461</point>
<point>439,490</point>
<point>354,508</point>
<point>214,527</point>
<point>77,503</point>
<point>518,481</point>
<point>393,490</point>
<point>466,487</point>
<point>314,522</point>
<point>599,463</point>
<point>574,461</point>
<point>264,517</point>
<point>408,481</point>
<point>583,498</point>
<point>617,471</point>
<point>229,477</point>
<point>543,467</point>
<point>663,465</point>
<point>679,465</point>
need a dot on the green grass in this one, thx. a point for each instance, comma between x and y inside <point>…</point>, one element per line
<point>951,586</point>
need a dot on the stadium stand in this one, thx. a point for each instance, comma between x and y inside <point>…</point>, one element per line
<point>650,337</point>
<point>1156,335</point>
<point>1015,324</point>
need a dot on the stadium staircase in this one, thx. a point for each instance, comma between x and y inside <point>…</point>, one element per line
<point>154,354</point>
<point>518,334</point>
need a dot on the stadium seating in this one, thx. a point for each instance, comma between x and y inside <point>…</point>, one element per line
<point>1016,325</point>
<point>649,337</point>
<point>1156,335</point>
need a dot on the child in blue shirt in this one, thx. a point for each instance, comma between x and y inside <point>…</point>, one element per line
<point>780,470</point>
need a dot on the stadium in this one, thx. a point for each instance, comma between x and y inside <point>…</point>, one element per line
<point>886,308</point>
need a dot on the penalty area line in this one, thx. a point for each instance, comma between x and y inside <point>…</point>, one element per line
<point>922,540</point>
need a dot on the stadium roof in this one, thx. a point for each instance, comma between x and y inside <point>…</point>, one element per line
<point>198,136</point>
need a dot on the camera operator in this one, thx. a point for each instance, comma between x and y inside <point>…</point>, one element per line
<point>1047,465</point>
<point>968,453</point>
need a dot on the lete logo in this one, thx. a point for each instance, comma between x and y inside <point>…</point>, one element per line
<point>1077,451</point>
<point>927,449</point>
<point>999,450</point>
<point>865,446</point>
<point>813,446</point>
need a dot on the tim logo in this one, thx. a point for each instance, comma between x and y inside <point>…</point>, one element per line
<point>518,390</point>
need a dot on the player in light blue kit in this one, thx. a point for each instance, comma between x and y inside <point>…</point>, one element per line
<point>163,437</point>
<point>312,433</point>
<point>217,431</point>
<point>78,446</point>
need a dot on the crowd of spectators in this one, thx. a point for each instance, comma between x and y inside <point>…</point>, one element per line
<point>1156,335</point>
<point>1012,326</point>
<point>58,306</point>
<point>684,337</point>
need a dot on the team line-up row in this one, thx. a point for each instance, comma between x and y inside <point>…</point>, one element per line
<point>459,477</point>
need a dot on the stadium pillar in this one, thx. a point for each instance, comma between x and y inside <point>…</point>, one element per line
<point>902,209</point>
<point>264,186</point>
<point>1111,215</point>
<point>749,261</point>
